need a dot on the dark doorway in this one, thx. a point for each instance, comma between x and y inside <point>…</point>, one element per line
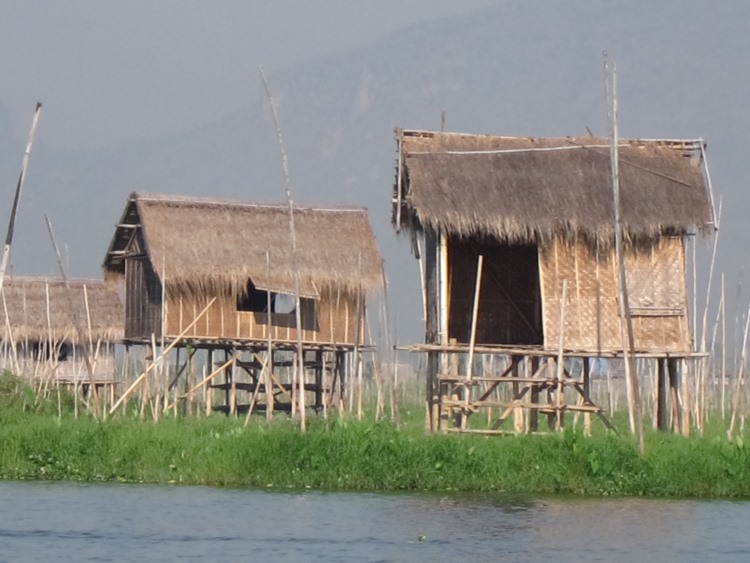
<point>510,310</point>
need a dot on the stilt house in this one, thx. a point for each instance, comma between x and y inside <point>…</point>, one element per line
<point>38,326</point>
<point>178,255</point>
<point>540,213</point>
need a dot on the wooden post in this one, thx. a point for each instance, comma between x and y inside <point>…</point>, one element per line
<point>340,375</point>
<point>233,393</point>
<point>674,391</point>
<point>587,393</point>
<point>518,415</point>
<point>534,397</point>
<point>326,385</point>
<point>661,393</point>
<point>318,380</point>
<point>207,392</point>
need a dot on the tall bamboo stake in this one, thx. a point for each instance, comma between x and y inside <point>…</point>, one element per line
<point>712,364</point>
<point>76,321</point>
<point>634,408</point>
<point>268,374</point>
<point>357,340</point>
<point>723,350</point>
<point>740,378</point>
<point>17,196</point>
<point>389,349</point>
<point>705,362</point>
<point>293,244</point>
<point>560,358</point>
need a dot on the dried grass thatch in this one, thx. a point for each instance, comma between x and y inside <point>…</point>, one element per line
<point>524,192</point>
<point>27,303</point>
<point>209,246</point>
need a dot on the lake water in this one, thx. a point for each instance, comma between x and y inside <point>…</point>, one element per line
<point>106,522</point>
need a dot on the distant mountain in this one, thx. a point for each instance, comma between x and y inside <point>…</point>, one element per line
<point>529,67</point>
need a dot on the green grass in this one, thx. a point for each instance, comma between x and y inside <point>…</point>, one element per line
<point>36,443</point>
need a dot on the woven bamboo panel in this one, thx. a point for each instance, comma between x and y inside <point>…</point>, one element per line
<point>656,281</point>
<point>332,321</point>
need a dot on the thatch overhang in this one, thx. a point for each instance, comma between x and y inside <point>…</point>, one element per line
<point>530,189</point>
<point>39,309</point>
<point>202,246</point>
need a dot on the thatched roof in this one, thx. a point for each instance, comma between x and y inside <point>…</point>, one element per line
<point>27,303</point>
<point>211,246</point>
<point>526,189</point>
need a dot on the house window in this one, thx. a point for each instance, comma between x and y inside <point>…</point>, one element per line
<point>282,308</point>
<point>43,351</point>
<point>254,300</point>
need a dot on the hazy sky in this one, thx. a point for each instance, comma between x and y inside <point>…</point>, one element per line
<point>112,71</point>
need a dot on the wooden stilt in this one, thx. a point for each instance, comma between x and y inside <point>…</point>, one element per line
<point>534,413</point>
<point>318,380</point>
<point>661,393</point>
<point>518,418</point>
<point>587,394</point>
<point>674,392</point>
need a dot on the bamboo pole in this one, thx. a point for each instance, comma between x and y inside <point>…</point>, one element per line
<point>157,361</point>
<point>704,363</point>
<point>740,378</point>
<point>269,373</point>
<point>161,377</point>
<point>472,344</point>
<point>390,353</point>
<point>559,368</point>
<point>634,407</point>
<point>722,309</point>
<point>357,338</point>
<point>145,373</point>
<point>711,363</point>
<point>17,196</point>
<point>76,322</point>
<point>293,244</point>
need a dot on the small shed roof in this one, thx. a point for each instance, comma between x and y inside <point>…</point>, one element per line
<point>202,245</point>
<point>522,189</point>
<point>39,308</point>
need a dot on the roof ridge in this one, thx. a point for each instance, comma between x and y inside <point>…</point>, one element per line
<point>193,200</point>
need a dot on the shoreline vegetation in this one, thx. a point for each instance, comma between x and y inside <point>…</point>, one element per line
<point>43,440</point>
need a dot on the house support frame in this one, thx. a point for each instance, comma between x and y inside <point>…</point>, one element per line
<point>523,383</point>
<point>246,377</point>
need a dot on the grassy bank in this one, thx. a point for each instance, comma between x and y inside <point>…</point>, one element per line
<point>363,456</point>
<point>41,439</point>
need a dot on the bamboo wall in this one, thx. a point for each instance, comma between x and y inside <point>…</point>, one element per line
<point>323,323</point>
<point>657,296</point>
<point>142,295</point>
